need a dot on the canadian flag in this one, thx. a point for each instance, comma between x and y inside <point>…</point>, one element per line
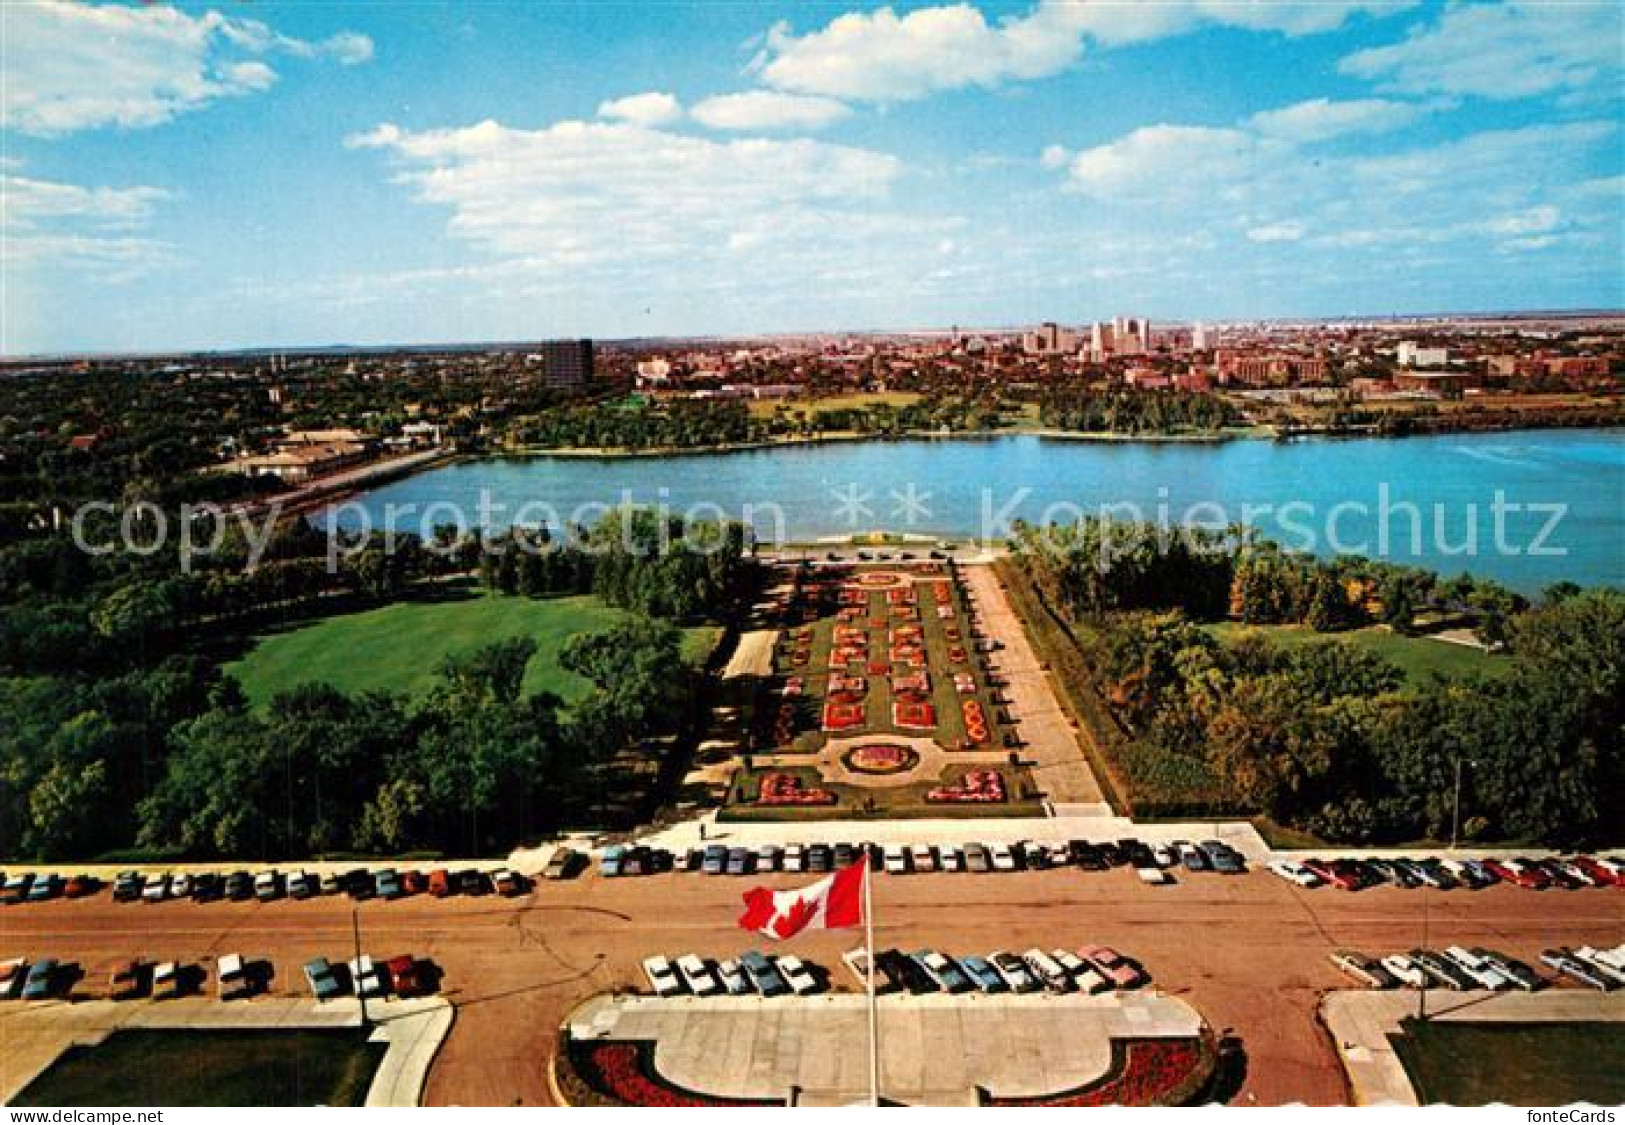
<point>835,902</point>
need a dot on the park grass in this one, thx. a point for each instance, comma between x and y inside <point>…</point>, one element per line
<point>865,400</point>
<point>1417,657</point>
<point>397,647</point>
<point>212,1068</point>
<point>1533,1064</point>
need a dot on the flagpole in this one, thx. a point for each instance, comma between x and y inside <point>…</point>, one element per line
<point>869,960</point>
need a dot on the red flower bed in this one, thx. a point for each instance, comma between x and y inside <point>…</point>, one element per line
<point>786,789</point>
<point>842,715</point>
<point>881,758</point>
<point>912,683</point>
<point>977,787</point>
<point>957,654</point>
<point>913,714</point>
<point>1144,1072</point>
<point>624,1072</point>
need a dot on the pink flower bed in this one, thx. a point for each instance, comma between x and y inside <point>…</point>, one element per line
<point>977,787</point>
<point>786,789</point>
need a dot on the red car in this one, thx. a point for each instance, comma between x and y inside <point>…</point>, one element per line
<point>413,883</point>
<point>409,976</point>
<point>440,882</point>
<point>1603,875</point>
<point>79,886</point>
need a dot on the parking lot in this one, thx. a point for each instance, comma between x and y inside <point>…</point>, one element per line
<point>515,967</point>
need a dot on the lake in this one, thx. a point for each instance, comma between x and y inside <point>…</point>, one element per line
<point>1528,508</point>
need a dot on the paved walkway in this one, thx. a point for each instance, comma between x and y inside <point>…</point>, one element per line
<point>1052,746</point>
<point>34,1035</point>
<point>1360,1023</point>
<point>934,1050</point>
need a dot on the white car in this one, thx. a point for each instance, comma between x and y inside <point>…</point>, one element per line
<point>734,980</point>
<point>698,976</point>
<point>1003,859</point>
<point>1294,872</point>
<point>1045,969</point>
<point>156,890</point>
<point>795,858</point>
<point>796,973</point>
<point>857,963</point>
<point>1604,961</point>
<point>368,978</point>
<point>662,976</point>
<point>895,860</point>
<point>1085,977</point>
<point>767,858</point>
<point>180,885</point>
<point>1163,855</point>
<point>924,858</point>
<point>1155,876</point>
<point>1404,970</point>
<point>1481,971</point>
<point>951,858</point>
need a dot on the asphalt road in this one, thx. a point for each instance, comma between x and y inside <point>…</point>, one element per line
<point>1250,952</point>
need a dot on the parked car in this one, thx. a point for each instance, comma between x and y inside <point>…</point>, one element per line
<point>739,861</point>
<point>950,858</point>
<point>407,976</point>
<point>767,858</point>
<point>1119,970</point>
<point>1440,970</point>
<point>797,975</point>
<point>733,978</point>
<point>15,888</point>
<point>609,864</point>
<point>1018,974</point>
<point>1047,970</point>
<point>697,975</point>
<point>126,887</point>
<point>1477,969</point>
<point>923,857</point>
<point>267,886</point>
<point>439,883</point>
<point>561,864</point>
<point>1001,857</point>
<point>977,859</point>
<point>1566,963</point>
<point>662,976</point>
<point>41,981</point>
<point>716,860</point>
<point>1293,872</point>
<point>764,977</point>
<point>180,885</point>
<point>1404,970</point>
<point>13,973</point>
<point>232,979</point>
<point>44,888</point>
<point>795,857</point>
<point>1362,969</point>
<point>367,976</point>
<point>156,889</point>
<point>1086,855</point>
<point>168,980</point>
<point>303,885</point>
<point>386,884</point>
<point>239,886</point>
<point>983,975</point>
<point>942,969</point>
<point>79,886</point>
<point>1519,975</point>
<point>895,860</point>
<point>509,883</point>
<point>818,857</point>
<point>1222,857</point>
<point>324,984</point>
<point>1085,977</point>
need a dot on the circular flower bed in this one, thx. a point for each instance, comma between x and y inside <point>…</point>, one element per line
<point>876,579</point>
<point>880,758</point>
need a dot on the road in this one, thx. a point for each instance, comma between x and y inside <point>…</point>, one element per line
<point>1250,951</point>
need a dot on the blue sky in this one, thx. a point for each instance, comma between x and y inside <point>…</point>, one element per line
<point>306,173</point>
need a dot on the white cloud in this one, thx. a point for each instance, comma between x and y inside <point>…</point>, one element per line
<point>1512,190</point>
<point>1323,119</point>
<point>652,108</point>
<point>1508,50</point>
<point>768,110</point>
<point>1054,156</point>
<point>588,194</point>
<point>882,56</point>
<point>73,66</point>
<point>45,223</point>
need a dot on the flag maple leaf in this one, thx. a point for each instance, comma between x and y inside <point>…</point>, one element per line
<point>795,917</point>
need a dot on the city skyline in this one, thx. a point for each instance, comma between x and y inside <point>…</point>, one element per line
<point>292,175</point>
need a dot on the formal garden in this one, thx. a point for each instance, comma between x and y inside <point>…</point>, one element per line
<point>882,701</point>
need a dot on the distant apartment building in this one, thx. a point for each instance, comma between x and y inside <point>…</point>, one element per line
<point>1049,339</point>
<point>1269,369</point>
<point>1124,336</point>
<point>1414,355</point>
<point>567,363</point>
<point>1199,338</point>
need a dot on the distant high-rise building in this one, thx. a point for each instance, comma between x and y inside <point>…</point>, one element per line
<point>1199,337</point>
<point>567,363</point>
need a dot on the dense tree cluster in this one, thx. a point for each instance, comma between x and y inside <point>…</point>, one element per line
<point>633,558</point>
<point>1118,410</point>
<point>1330,737</point>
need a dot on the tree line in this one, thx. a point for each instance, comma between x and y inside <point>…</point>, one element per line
<point>1330,737</point>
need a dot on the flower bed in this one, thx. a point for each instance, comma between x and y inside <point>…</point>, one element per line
<point>913,714</point>
<point>611,1072</point>
<point>912,683</point>
<point>977,787</point>
<point>957,654</point>
<point>880,758</point>
<point>855,686</point>
<point>876,579</point>
<point>843,714</point>
<point>786,789</point>
<point>976,728</point>
<point>1143,1072</point>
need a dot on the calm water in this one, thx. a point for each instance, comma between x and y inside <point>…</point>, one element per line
<point>1439,493</point>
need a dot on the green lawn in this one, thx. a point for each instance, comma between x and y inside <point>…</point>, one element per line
<point>212,1068</point>
<point>1417,657</point>
<point>1471,1064</point>
<point>397,647</point>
